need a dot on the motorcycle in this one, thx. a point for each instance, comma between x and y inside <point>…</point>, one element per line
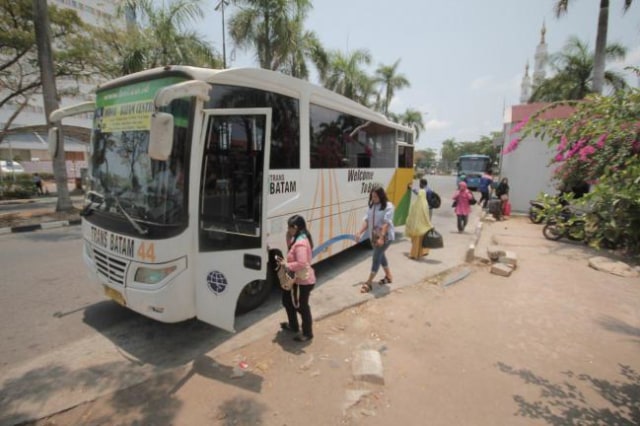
<point>546,205</point>
<point>568,224</point>
<point>536,211</point>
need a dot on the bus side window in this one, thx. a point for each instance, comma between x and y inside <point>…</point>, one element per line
<point>285,133</point>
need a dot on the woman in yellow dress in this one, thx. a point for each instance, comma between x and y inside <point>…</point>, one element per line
<point>418,224</point>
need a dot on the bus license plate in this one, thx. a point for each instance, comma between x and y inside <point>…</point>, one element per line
<point>115,295</point>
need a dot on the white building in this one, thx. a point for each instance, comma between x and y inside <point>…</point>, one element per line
<point>93,12</point>
<point>31,145</point>
<point>528,166</point>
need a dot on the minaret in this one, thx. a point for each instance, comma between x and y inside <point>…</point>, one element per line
<point>525,86</point>
<point>541,59</point>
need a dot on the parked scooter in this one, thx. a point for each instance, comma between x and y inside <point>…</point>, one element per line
<point>568,224</point>
<point>540,207</point>
<point>536,211</point>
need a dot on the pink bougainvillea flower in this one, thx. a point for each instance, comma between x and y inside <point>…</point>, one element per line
<point>574,149</point>
<point>559,157</point>
<point>519,126</point>
<point>512,146</point>
<point>563,143</point>
<point>586,151</point>
<point>601,140</point>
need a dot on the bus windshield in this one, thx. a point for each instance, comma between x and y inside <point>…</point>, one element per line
<point>473,164</point>
<point>129,182</point>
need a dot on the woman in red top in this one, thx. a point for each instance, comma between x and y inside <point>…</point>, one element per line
<point>300,245</point>
<point>461,198</point>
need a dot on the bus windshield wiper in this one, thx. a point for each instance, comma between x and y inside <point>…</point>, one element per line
<point>95,200</point>
<point>132,221</point>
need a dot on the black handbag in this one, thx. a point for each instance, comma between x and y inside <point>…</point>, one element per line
<point>432,239</point>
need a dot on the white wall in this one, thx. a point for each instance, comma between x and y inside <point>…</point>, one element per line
<point>527,170</point>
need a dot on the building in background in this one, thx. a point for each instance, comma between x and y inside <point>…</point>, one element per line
<point>528,166</point>
<point>26,139</point>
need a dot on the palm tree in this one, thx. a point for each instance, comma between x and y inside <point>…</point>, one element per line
<point>161,36</point>
<point>275,29</point>
<point>413,118</point>
<point>561,7</point>
<point>346,76</point>
<point>303,45</point>
<point>574,77</point>
<point>387,76</point>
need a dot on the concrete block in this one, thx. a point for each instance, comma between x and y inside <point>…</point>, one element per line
<point>367,366</point>
<point>501,269</point>
<point>471,253</point>
<point>494,252</point>
<point>52,225</point>
<point>509,258</point>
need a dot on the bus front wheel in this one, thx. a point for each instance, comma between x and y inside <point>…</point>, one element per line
<point>253,295</point>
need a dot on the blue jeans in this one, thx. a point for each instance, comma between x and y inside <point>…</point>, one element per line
<point>379,259</point>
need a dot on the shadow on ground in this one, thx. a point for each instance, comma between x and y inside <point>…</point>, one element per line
<point>565,404</point>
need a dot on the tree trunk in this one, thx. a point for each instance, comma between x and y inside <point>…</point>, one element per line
<point>50,97</point>
<point>601,46</point>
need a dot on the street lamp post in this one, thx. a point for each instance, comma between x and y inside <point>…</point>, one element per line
<point>220,7</point>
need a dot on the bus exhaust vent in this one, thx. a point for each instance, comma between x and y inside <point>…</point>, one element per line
<point>112,269</point>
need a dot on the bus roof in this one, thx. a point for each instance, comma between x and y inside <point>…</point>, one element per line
<point>264,80</point>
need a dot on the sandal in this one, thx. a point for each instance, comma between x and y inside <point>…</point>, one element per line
<point>366,288</point>
<point>385,280</point>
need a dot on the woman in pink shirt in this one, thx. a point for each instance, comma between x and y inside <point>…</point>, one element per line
<point>300,245</point>
<point>461,198</point>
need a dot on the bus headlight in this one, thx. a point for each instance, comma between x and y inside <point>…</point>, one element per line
<point>148,275</point>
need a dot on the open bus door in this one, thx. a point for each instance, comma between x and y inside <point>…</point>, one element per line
<point>232,255</point>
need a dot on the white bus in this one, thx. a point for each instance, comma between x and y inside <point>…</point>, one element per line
<point>194,172</point>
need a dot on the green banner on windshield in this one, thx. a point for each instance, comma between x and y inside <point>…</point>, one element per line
<point>129,108</point>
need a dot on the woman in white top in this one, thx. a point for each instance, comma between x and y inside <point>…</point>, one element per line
<point>379,222</point>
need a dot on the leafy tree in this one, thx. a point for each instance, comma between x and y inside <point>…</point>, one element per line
<point>426,159</point>
<point>20,77</point>
<point>449,153</point>
<point>574,75</point>
<point>160,36</point>
<point>600,144</point>
<point>390,81</point>
<point>561,7</point>
<point>346,76</point>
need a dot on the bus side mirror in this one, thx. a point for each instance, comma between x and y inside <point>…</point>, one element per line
<point>161,136</point>
<point>53,141</point>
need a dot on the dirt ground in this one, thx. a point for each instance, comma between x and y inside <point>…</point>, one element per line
<point>556,343</point>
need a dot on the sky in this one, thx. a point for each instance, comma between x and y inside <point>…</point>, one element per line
<point>465,59</point>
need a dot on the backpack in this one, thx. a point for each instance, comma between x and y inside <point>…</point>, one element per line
<point>433,199</point>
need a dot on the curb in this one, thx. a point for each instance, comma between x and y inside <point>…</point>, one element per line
<point>471,250</point>
<point>40,226</point>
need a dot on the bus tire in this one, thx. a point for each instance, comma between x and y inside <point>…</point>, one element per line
<point>253,295</point>
<point>256,292</point>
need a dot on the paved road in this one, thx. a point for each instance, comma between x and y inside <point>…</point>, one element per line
<point>12,206</point>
